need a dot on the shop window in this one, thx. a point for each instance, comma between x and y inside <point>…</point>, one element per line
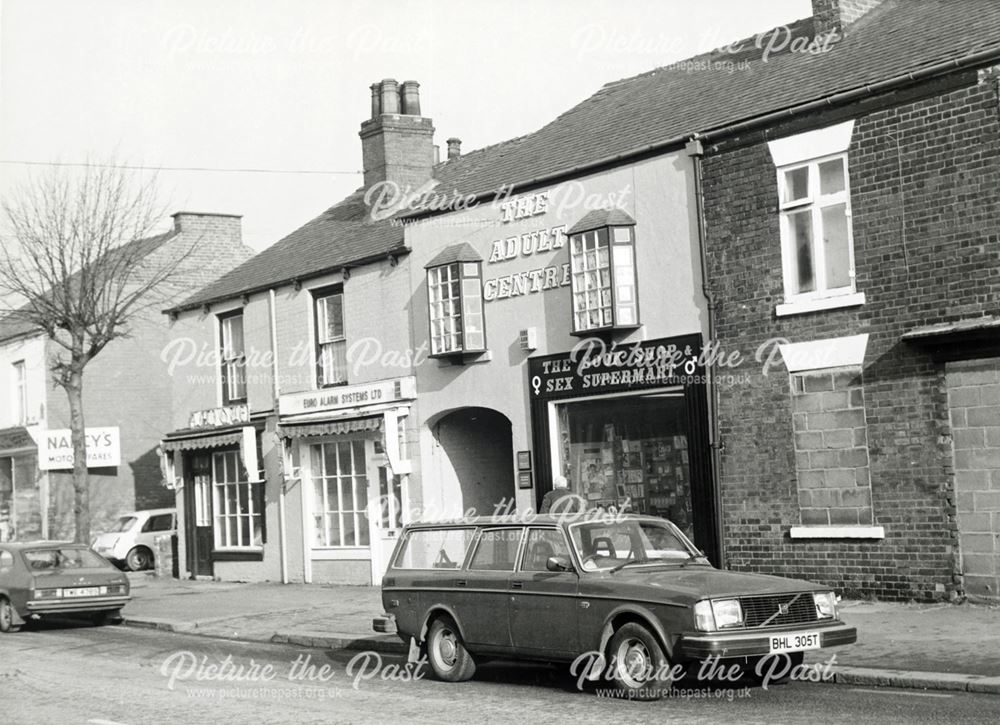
<point>629,452</point>
<point>331,342</point>
<point>237,504</point>
<point>831,447</point>
<point>455,296</point>
<point>20,393</point>
<point>603,279</point>
<point>233,358</point>
<point>340,494</point>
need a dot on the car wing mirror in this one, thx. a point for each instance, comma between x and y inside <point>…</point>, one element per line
<point>558,563</point>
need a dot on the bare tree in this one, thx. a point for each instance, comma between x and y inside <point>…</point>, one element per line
<point>80,255</point>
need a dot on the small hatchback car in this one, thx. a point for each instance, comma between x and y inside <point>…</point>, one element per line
<point>632,593</point>
<point>48,578</point>
<point>131,542</point>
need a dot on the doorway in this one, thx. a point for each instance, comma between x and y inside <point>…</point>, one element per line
<point>477,444</point>
<point>198,514</point>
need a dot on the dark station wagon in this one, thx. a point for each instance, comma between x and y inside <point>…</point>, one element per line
<point>40,579</point>
<point>632,591</point>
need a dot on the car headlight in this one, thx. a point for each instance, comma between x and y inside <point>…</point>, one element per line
<point>826,605</point>
<point>703,619</point>
<point>727,612</point>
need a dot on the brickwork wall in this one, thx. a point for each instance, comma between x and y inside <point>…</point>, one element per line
<point>831,448</point>
<point>924,176</point>
<point>974,398</point>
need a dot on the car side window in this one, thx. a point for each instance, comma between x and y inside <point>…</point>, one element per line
<point>543,543</point>
<point>434,549</point>
<point>496,549</point>
<point>162,522</point>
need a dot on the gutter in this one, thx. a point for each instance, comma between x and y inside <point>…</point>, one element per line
<point>968,62</point>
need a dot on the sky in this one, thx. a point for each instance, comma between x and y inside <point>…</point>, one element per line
<point>284,86</point>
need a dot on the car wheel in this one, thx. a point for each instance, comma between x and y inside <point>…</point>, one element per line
<point>446,652</point>
<point>139,559</point>
<point>638,666</point>
<point>7,617</point>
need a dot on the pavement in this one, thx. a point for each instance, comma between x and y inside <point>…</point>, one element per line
<point>939,646</point>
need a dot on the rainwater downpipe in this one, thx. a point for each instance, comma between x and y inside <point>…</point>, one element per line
<point>282,532</point>
<point>696,150</point>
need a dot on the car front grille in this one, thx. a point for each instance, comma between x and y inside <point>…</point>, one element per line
<point>768,610</point>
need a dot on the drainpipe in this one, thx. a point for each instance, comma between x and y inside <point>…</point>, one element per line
<point>282,533</point>
<point>695,151</point>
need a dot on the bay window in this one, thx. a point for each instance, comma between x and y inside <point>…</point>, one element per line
<point>603,279</point>
<point>233,358</point>
<point>455,301</point>
<point>331,342</point>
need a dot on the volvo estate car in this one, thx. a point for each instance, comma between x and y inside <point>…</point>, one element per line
<point>41,579</point>
<point>631,593</point>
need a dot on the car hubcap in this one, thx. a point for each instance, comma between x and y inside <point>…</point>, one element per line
<point>635,664</point>
<point>447,649</point>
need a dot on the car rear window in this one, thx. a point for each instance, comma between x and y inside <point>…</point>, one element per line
<point>434,549</point>
<point>123,524</point>
<point>43,559</point>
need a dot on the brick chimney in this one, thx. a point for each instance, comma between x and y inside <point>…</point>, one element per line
<point>212,244</point>
<point>397,143</point>
<point>454,148</point>
<point>839,15</point>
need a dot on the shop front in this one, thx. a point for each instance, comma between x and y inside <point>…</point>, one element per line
<point>22,487</point>
<point>626,426</point>
<point>346,447</point>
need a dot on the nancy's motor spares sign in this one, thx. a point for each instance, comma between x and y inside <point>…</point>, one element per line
<point>55,449</point>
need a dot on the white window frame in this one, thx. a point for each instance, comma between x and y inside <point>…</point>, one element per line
<point>360,517</point>
<point>221,512</point>
<point>229,363</point>
<point>814,203</point>
<point>20,391</point>
<point>457,316</point>
<point>319,308</point>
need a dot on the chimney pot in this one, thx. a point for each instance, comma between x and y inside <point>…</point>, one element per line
<point>390,96</point>
<point>411,98</point>
<point>376,100</point>
<point>454,148</point>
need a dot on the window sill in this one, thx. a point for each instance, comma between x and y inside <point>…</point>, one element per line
<point>817,305</point>
<point>837,532</point>
<point>446,359</point>
<point>606,331</point>
<point>341,553</point>
<point>238,555</point>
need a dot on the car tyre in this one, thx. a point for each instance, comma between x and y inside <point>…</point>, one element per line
<point>139,559</point>
<point>446,653</point>
<point>7,625</point>
<point>638,664</point>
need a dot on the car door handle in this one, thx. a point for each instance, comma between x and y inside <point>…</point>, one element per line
<point>461,583</point>
<point>516,585</point>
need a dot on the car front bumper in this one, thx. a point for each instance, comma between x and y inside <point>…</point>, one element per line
<point>755,644</point>
<point>69,606</point>
<point>385,623</point>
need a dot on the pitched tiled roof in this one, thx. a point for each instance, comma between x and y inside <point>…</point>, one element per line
<point>13,324</point>
<point>461,252</point>
<point>341,236</point>
<point>630,115</point>
<point>898,37</point>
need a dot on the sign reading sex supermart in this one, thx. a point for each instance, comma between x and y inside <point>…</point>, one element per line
<point>595,367</point>
<point>55,449</point>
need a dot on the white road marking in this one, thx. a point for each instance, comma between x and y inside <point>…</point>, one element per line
<point>98,721</point>
<point>911,693</point>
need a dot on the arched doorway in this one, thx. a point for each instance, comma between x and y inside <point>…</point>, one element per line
<point>478,449</point>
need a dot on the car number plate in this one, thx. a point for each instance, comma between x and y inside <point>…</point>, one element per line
<point>794,642</point>
<point>82,592</point>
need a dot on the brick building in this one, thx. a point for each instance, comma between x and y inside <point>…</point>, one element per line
<point>127,394</point>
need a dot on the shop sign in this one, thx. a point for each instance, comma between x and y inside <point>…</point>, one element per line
<point>594,367</point>
<point>219,417</point>
<point>348,396</point>
<point>55,449</point>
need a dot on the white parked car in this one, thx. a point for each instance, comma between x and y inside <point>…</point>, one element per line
<point>131,542</point>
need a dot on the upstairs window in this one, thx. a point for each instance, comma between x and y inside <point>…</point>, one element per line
<point>603,280</point>
<point>234,381</point>
<point>20,392</point>
<point>331,342</point>
<point>455,302</point>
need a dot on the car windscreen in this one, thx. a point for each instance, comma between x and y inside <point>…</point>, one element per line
<point>608,544</point>
<point>123,524</point>
<point>63,558</point>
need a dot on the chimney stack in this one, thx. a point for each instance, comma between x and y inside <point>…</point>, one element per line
<point>454,148</point>
<point>839,15</point>
<point>397,143</point>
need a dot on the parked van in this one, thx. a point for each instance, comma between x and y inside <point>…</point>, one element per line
<point>131,542</point>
